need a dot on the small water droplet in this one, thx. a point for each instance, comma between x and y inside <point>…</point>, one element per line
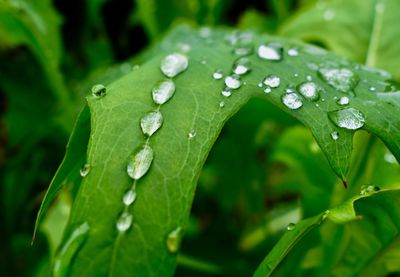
<point>344,100</point>
<point>389,157</point>
<point>260,85</point>
<point>226,92</point>
<point>349,118</point>
<point>221,104</point>
<point>372,88</point>
<point>174,240</point>
<point>163,91</point>
<point>139,163</point>
<point>68,250</point>
<point>99,91</point>
<point>296,75</point>
<point>291,226</point>
<point>342,79</point>
<point>174,64</point>
<point>191,134</point>
<point>289,89</point>
<point>272,81</point>
<point>151,122</point>
<point>293,52</point>
<point>267,90</point>
<point>129,197</point>
<point>124,222</point>
<point>329,15</point>
<point>217,75</point>
<point>309,78</point>
<point>203,61</point>
<point>233,82</point>
<point>335,135</point>
<point>241,66</point>
<point>271,51</point>
<point>309,90</point>
<point>292,101</point>
<point>85,169</point>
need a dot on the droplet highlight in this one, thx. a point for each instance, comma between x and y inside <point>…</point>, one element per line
<point>140,162</point>
<point>233,82</point>
<point>271,52</point>
<point>151,122</point>
<point>292,101</point>
<point>309,90</point>
<point>124,222</point>
<point>129,197</point>
<point>174,64</point>
<point>163,91</point>
<point>272,81</point>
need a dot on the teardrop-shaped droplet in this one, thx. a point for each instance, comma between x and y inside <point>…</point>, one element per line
<point>174,64</point>
<point>344,100</point>
<point>309,90</point>
<point>271,52</point>
<point>99,91</point>
<point>174,240</point>
<point>151,122</point>
<point>233,82</point>
<point>242,66</point>
<point>85,169</point>
<point>139,163</point>
<point>292,101</point>
<point>129,197</point>
<point>67,252</point>
<point>335,135</point>
<point>342,79</point>
<point>291,226</point>
<point>349,118</point>
<point>217,75</point>
<point>163,91</point>
<point>124,222</point>
<point>272,81</point>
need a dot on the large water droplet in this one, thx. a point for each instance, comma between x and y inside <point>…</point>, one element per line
<point>151,122</point>
<point>272,81</point>
<point>335,135</point>
<point>68,250</point>
<point>217,75</point>
<point>349,118</point>
<point>129,197</point>
<point>344,100</point>
<point>271,52</point>
<point>163,91</point>
<point>292,101</point>
<point>85,169</point>
<point>174,239</point>
<point>241,66</point>
<point>124,222</point>
<point>233,82</point>
<point>99,91</point>
<point>140,162</point>
<point>291,226</point>
<point>309,90</point>
<point>342,79</point>
<point>174,64</point>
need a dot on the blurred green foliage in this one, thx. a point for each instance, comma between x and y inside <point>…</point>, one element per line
<point>263,172</point>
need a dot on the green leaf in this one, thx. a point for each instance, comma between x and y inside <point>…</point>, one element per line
<point>193,119</point>
<point>373,246</point>
<point>371,41</point>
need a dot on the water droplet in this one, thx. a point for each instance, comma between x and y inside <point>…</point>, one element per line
<point>174,240</point>
<point>389,157</point>
<point>124,222</point>
<point>344,100</point>
<point>140,162</point>
<point>372,88</point>
<point>292,101</point>
<point>192,134</point>
<point>233,82</point>
<point>329,15</point>
<point>68,250</point>
<point>242,43</point>
<point>184,47</point>
<point>174,64</point>
<point>241,66</point>
<point>221,104</point>
<point>309,78</point>
<point>203,61</point>
<point>267,90</point>
<point>291,226</point>
<point>85,169</point>
<point>369,189</point>
<point>272,81</point>
<point>99,91</point>
<point>129,197</point>
<point>163,91</point>
<point>349,118</point>
<point>271,52</point>
<point>226,92</point>
<point>151,122</point>
<point>260,85</point>
<point>217,75</point>
<point>343,80</point>
<point>125,68</point>
<point>296,75</point>
<point>309,90</point>
<point>335,135</point>
<point>293,52</point>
